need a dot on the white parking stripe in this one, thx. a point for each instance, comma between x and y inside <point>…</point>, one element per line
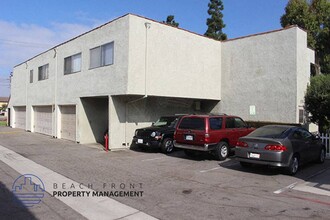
<point>311,189</point>
<point>157,158</point>
<point>89,207</point>
<point>286,188</point>
<point>204,171</point>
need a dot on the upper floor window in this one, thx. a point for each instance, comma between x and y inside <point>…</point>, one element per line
<point>31,76</point>
<point>72,64</point>
<point>102,55</point>
<point>43,72</point>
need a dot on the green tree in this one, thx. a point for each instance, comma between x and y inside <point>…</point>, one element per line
<point>317,101</point>
<point>170,21</point>
<point>314,17</point>
<point>215,23</point>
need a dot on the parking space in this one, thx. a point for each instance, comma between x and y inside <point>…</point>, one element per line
<point>179,187</point>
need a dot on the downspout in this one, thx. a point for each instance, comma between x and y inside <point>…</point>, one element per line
<point>26,93</point>
<point>55,95</point>
<point>147,26</point>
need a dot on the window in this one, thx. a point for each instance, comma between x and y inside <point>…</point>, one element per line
<point>31,76</point>
<point>72,64</point>
<point>235,123</point>
<point>193,124</point>
<point>301,116</point>
<point>101,56</point>
<point>215,123</point>
<point>43,72</point>
<point>230,122</point>
<point>239,123</point>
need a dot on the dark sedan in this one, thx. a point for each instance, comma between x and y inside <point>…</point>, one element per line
<point>280,146</point>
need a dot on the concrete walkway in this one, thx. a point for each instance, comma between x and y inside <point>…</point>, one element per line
<point>89,207</point>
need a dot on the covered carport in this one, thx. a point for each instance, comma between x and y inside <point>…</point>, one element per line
<point>93,119</point>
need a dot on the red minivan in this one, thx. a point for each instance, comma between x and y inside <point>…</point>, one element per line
<point>217,134</point>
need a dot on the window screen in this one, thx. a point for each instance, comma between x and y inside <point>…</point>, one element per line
<point>43,72</point>
<point>102,55</point>
<point>72,64</point>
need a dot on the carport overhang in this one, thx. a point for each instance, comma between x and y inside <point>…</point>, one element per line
<point>129,112</point>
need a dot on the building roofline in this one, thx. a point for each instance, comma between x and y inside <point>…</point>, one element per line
<point>266,32</point>
<point>80,35</point>
<point>98,27</point>
<point>109,22</point>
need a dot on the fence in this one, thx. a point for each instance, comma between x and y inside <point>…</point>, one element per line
<point>326,141</point>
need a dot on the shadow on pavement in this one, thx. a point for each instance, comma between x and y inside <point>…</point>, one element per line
<point>11,207</point>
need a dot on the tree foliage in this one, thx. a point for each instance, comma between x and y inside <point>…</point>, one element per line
<point>215,23</point>
<point>170,21</point>
<point>317,100</point>
<point>314,17</point>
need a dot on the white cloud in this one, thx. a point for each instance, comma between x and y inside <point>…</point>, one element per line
<point>19,42</point>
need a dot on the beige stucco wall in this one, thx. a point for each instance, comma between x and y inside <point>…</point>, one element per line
<point>269,71</point>
<point>167,61</point>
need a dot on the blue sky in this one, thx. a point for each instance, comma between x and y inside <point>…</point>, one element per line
<point>28,27</point>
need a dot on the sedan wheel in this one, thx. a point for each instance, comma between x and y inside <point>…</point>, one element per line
<point>322,156</point>
<point>294,165</point>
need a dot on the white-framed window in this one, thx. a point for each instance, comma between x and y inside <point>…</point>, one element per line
<point>101,55</point>
<point>43,72</point>
<point>31,76</point>
<point>72,64</point>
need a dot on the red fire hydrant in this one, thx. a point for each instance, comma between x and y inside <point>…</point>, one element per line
<point>106,141</point>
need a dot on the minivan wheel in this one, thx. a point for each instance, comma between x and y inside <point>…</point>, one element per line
<point>167,146</point>
<point>221,151</point>
<point>321,156</point>
<point>294,165</point>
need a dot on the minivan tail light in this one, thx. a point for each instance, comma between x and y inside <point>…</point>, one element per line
<point>241,144</point>
<point>276,147</point>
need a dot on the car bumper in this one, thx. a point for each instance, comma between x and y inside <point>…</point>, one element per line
<point>205,147</point>
<point>276,159</point>
<point>146,142</point>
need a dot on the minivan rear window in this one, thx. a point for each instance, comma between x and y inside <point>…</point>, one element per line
<point>192,123</point>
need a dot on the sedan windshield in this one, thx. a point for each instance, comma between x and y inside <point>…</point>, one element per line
<point>270,132</point>
<point>165,122</point>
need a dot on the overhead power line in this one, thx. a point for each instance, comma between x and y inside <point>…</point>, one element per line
<point>25,44</point>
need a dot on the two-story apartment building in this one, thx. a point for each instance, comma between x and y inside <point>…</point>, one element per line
<point>126,73</point>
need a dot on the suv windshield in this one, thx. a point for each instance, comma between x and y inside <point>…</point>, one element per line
<point>165,122</point>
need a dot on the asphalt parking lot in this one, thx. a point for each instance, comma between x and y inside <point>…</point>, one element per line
<point>174,186</point>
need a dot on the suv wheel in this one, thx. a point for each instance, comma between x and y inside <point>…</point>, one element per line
<point>222,151</point>
<point>167,146</point>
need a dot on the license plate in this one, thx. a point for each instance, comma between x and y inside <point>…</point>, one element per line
<point>140,141</point>
<point>253,155</point>
<point>189,137</point>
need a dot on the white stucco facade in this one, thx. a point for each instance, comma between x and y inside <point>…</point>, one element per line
<point>160,70</point>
